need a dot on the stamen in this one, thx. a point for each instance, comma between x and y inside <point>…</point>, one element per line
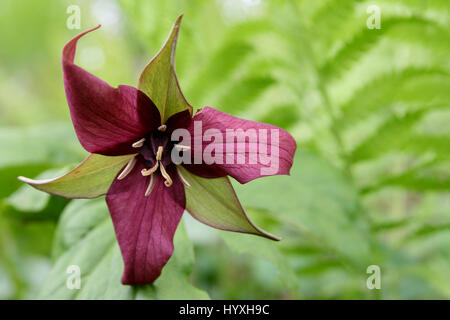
<point>147,172</point>
<point>138,143</point>
<point>180,147</point>
<point>162,127</point>
<point>150,186</point>
<point>159,153</point>
<point>182,178</point>
<point>166,176</point>
<point>128,168</point>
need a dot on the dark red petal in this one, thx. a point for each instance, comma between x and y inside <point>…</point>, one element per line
<point>179,120</point>
<point>145,226</point>
<point>107,120</point>
<point>205,170</point>
<point>214,119</point>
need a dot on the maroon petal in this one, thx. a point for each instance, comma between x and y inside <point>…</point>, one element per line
<point>107,120</point>
<point>205,170</point>
<point>245,159</point>
<point>145,226</point>
<point>179,120</point>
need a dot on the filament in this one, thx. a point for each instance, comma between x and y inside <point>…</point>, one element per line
<point>182,178</point>
<point>150,186</point>
<point>128,168</point>
<point>159,153</point>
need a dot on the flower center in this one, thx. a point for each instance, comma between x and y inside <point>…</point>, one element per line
<point>155,152</point>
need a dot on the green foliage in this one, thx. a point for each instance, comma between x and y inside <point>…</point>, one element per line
<point>214,202</point>
<point>369,109</point>
<point>262,248</point>
<point>90,179</point>
<point>85,238</point>
<point>159,81</point>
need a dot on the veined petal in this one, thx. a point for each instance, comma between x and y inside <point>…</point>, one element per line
<point>107,120</point>
<point>214,203</point>
<point>262,150</point>
<point>159,80</point>
<point>205,170</point>
<point>145,225</point>
<point>179,120</point>
<point>90,179</point>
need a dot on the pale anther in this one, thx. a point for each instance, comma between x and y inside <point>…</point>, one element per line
<point>159,153</point>
<point>138,143</point>
<point>128,168</point>
<point>147,172</point>
<point>150,186</point>
<point>162,127</point>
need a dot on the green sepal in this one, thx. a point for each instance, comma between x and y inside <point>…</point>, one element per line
<point>90,179</point>
<point>159,80</point>
<point>214,203</point>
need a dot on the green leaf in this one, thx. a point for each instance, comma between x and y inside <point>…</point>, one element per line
<point>418,88</point>
<point>214,202</point>
<point>393,134</point>
<point>316,201</point>
<point>51,143</point>
<point>9,176</point>
<point>283,116</point>
<point>218,68</point>
<point>432,175</point>
<point>428,230</point>
<point>23,251</point>
<point>29,151</point>
<point>245,92</point>
<point>85,238</point>
<point>90,179</point>
<point>364,40</point>
<point>174,280</point>
<point>30,204</point>
<point>262,248</point>
<point>159,80</point>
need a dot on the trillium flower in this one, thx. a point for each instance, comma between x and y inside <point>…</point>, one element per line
<point>128,132</point>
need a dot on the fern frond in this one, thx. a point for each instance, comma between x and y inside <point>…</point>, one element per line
<point>245,91</point>
<point>420,6</point>
<point>220,66</point>
<point>284,116</point>
<point>319,267</point>
<point>415,87</point>
<point>366,39</point>
<point>429,230</point>
<point>396,134</point>
<point>330,16</point>
<point>390,225</point>
<point>432,175</point>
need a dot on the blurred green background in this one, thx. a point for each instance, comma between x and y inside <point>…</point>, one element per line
<point>369,109</point>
